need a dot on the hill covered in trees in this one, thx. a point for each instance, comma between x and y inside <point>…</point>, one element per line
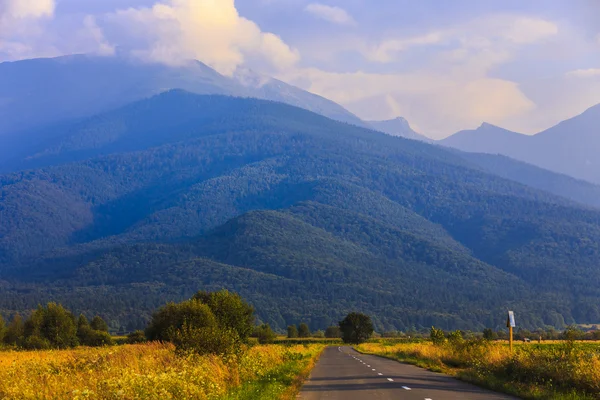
<point>305,217</point>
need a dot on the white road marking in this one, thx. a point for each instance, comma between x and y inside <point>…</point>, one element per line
<point>427,398</point>
<point>390,379</point>
<point>379,373</point>
<point>406,388</point>
<point>373,369</point>
<point>369,366</point>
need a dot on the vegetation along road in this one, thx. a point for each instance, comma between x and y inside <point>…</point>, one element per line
<point>343,373</point>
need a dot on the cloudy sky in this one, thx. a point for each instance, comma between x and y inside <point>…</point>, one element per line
<point>443,65</point>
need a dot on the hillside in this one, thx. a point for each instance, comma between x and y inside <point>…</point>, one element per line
<point>570,148</point>
<point>165,196</point>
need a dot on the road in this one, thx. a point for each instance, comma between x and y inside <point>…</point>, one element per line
<point>344,374</point>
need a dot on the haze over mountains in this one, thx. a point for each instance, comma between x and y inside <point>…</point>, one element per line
<point>571,147</point>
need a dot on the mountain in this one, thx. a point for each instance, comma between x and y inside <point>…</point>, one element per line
<point>397,127</point>
<point>305,216</point>
<point>38,92</point>
<point>571,147</point>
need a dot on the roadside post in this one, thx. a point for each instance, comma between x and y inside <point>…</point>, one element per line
<point>510,324</point>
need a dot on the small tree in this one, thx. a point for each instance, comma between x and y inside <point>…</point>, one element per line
<point>83,328</point>
<point>333,332</point>
<point>265,334</point>
<point>230,310</point>
<point>318,334</point>
<point>356,328</point>
<point>489,334</point>
<point>98,324</point>
<point>438,337</point>
<point>53,324</point>
<point>292,332</point>
<point>172,317</point>
<point>303,331</point>
<point>15,331</point>
<point>2,328</point>
<point>136,337</point>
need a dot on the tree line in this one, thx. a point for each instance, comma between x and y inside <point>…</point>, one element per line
<point>218,322</point>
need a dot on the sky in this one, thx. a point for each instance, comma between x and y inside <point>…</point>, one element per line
<point>443,65</point>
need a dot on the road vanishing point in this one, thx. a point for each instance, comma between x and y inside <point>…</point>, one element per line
<point>344,374</point>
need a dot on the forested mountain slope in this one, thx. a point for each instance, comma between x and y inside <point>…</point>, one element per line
<point>412,233</point>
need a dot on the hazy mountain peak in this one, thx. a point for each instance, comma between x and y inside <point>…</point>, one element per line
<point>398,126</point>
<point>250,78</point>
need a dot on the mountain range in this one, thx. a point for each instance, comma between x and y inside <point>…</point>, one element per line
<point>571,147</point>
<point>305,216</point>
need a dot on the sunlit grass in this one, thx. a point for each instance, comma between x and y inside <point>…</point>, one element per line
<point>546,371</point>
<point>149,371</point>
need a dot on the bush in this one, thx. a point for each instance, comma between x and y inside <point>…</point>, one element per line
<point>94,338</point>
<point>292,332</point>
<point>438,337</point>
<point>15,331</point>
<point>489,334</point>
<point>2,328</point>
<point>230,311</point>
<point>319,335</point>
<point>333,332</point>
<point>98,324</point>
<point>136,337</point>
<point>54,325</point>
<point>265,334</point>
<point>303,331</point>
<point>172,317</point>
<point>205,340</point>
<point>36,342</point>
<point>356,328</point>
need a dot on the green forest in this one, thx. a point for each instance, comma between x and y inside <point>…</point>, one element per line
<point>305,217</point>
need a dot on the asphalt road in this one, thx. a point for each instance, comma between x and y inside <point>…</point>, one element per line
<point>344,374</point>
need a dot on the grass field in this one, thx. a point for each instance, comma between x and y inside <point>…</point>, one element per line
<point>557,370</point>
<point>154,371</point>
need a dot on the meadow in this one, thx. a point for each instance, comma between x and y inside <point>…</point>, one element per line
<point>155,371</point>
<point>557,370</point>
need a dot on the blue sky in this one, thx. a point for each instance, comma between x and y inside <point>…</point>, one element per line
<point>443,65</point>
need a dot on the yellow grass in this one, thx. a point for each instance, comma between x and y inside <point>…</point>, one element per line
<point>145,371</point>
<point>547,371</point>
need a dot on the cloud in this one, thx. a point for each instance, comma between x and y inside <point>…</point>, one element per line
<point>211,31</point>
<point>335,15</point>
<point>584,73</point>
<point>24,9</point>
<point>438,105</point>
<point>93,31</point>
<point>386,50</point>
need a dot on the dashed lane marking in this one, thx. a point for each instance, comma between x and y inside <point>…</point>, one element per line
<point>379,373</point>
<point>406,388</point>
<point>390,379</point>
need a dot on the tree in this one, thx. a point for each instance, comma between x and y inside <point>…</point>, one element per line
<point>2,328</point>
<point>318,334</point>
<point>51,326</point>
<point>356,328</point>
<point>15,330</point>
<point>265,334</point>
<point>172,317</point>
<point>292,332</point>
<point>303,331</point>
<point>98,324</point>
<point>489,334</point>
<point>83,328</point>
<point>437,336</point>
<point>333,332</point>
<point>230,310</point>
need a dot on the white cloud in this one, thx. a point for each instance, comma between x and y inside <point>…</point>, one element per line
<point>438,105</point>
<point>23,9</point>
<point>386,50</point>
<point>211,31</point>
<point>91,28</point>
<point>584,73</point>
<point>335,15</point>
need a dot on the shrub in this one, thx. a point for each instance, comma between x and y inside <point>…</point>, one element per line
<point>136,337</point>
<point>333,332</point>
<point>36,342</point>
<point>292,332</point>
<point>205,340</point>
<point>356,328</point>
<point>303,331</point>
<point>230,311</point>
<point>98,324</point>
<point>265,334</point>
<point>172,317</point>
<point>54,325</point>
<point>15,331</point>
<point>319,334</point>
<point>2,328</point>
<point>438,337</point>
